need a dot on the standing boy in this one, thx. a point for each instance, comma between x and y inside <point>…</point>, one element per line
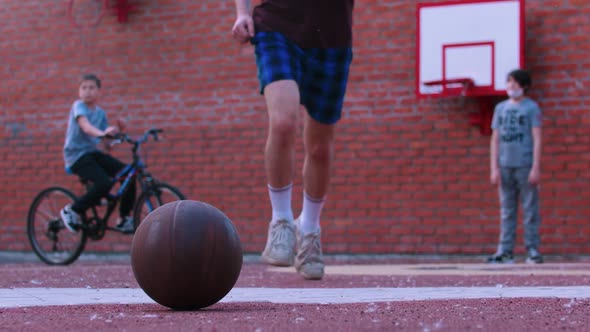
<point>303,52</point>
<point>515,154</point>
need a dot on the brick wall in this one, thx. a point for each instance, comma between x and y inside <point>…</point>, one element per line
<point>411,176</point>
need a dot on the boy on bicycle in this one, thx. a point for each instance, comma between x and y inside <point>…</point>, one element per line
<point>87,123</point>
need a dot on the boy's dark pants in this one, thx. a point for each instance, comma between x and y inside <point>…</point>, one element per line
<point>514,185</point>
<point>99,168</point>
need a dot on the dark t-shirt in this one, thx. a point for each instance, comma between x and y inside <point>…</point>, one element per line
<point>308,23</point>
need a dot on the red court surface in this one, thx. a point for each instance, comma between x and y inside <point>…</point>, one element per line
<point>392,295</point>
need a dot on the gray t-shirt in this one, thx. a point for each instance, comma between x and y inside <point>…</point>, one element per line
<point>515,123</point>
<point>77,142</point>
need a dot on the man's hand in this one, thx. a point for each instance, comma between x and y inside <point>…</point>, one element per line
<point>495,176</point>
<point>535,176</point>
<point>243,29</point>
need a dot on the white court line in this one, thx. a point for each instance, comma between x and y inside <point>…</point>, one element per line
<point>27,297</point>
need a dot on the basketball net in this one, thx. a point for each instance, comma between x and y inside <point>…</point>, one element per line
<point>86,15</point>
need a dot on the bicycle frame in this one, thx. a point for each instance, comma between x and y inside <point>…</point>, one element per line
<point>126,177</point>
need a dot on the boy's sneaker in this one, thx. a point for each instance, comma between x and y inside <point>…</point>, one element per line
<point>70,218</point>
<point>309,262</point>
<point>280,244</point>
<point>125,225</point>
<point>534,257</point>
<point>501,258</point>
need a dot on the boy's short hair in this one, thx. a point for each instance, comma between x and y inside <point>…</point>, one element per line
<point>91,77</point>
<point>522,77</point>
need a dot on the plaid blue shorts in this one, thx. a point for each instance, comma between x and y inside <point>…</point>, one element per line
<point>320,73</point>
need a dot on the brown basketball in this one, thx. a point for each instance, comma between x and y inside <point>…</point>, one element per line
<point>186,255</point>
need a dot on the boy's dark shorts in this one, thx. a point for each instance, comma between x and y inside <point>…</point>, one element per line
<point>320,73</point>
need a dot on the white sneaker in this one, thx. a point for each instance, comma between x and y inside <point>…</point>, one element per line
<point>309,261</point>
<point>125,225</point>
<point>280,244</point>
<point>70,218</point>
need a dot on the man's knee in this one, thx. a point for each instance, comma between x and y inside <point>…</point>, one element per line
<point>283,127</point>
<point>283,105</point>
<point>320,152</point>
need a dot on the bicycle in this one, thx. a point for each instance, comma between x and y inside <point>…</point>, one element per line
<point>49,201</point>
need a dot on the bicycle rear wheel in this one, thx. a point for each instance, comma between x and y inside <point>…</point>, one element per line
<point>158,195</point>
<point>49,238</point>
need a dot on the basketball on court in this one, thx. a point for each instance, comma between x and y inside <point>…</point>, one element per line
<point>186,255</point>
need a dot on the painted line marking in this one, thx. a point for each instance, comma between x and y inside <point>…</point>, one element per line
<point>28,297</point>
<point>451,269</point>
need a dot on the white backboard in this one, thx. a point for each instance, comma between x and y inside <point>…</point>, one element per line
<point>481,40</point>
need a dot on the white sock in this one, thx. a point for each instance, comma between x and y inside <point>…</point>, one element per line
<point>280,200</point>
<point>310,216</point>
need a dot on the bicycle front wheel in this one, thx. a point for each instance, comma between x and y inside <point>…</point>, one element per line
<point>153,198</point>
<point>49,238</point>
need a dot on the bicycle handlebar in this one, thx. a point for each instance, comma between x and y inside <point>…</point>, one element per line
<point>123,137</point>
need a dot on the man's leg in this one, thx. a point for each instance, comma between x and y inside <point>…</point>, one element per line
<point>282,100</point>
<point>279,69</point>
<point>319,149</point>
<point>323,92</point>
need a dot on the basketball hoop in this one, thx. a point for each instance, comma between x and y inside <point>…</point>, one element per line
<point>94,22</point>
<point>123,9</point>
<point>453,87</point>
<point>483,118</point>
<point>465,87</point>
<point>86,16</point>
